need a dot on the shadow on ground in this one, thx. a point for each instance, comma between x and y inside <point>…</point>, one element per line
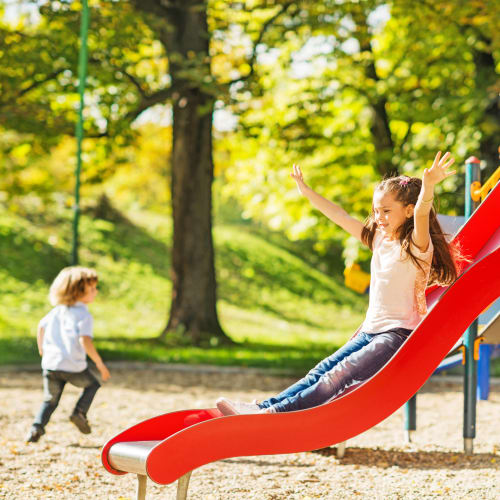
<point>413,460</point>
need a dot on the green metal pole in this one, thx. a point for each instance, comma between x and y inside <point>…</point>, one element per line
<point>472,174</point>
<point>82,77</point>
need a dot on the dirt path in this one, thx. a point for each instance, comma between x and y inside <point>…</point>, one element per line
<point>377,464</point>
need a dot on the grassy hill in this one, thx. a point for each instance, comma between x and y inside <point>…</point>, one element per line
<point>281,310</point>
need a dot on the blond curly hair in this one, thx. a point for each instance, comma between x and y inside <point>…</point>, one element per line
<point>70,285</point>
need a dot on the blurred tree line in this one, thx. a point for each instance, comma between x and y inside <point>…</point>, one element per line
<point>351,90</point>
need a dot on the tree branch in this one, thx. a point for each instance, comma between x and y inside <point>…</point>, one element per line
<point>35,84</point>
<point>148,101</point>
<point>263,31</point>
<point>97,136</point>
<point>135,82</point>
<point>160,8</point>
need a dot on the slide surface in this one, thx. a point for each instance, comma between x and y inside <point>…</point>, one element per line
<point>191,438</point>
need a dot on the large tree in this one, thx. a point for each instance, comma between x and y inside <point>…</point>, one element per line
<point>143,53</point>
<point>182,29</point>
<point>380,97</point>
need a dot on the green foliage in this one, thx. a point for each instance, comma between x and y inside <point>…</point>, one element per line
<point>281,311</point>
<point>311,91</point>
<point>142,179</point>
<point>136,175</point>
<point>323,84</point>
<point>243,261</point>
<point>320,101</point>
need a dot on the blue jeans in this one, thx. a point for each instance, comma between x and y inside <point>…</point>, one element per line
<point>358,360</point>
<point>53,385</point>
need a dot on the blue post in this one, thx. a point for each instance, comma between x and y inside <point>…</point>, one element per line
<point>483,371</point>
<point>472,174</point>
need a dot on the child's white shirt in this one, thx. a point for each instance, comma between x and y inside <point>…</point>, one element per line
<point>63,326</point>
<point>397,286</point>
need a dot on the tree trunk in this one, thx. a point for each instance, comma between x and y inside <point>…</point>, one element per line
<point>382,139</point>
<point>193,306</point>
<point>379,128</point>
<point>186,39</point>
<point>487,82</point>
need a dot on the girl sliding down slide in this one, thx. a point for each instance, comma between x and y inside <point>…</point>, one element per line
<point>409,252</point>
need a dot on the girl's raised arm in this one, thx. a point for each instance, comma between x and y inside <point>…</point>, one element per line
<point>334,212</point>
<point>433,175</point>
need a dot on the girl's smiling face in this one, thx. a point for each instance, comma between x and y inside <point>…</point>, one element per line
<point>389,213</point>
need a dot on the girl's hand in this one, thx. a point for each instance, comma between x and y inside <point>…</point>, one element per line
<point>296,175</point>
<point>439,169</point>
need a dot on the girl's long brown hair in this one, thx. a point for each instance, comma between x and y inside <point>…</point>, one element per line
<point>445,257</point>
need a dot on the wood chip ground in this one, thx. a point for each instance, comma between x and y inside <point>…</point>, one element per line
<point>377,464</point>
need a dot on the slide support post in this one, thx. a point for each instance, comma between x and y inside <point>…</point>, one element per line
<point>410,418</point>
<point>472,174</point>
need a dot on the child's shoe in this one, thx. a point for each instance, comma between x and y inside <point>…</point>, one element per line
<point>80,420</point>
<point>270,409</point>
<point>228,407</point>
<point>35,433</point>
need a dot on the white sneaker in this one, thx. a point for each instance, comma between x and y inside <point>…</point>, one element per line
<point>228,407</point>
<point>270,409</point>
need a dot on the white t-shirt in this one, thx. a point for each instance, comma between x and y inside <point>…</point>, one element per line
<point>397,286</point>
<point>63,327</point>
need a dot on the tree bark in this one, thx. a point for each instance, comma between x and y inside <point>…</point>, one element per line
<point>182,29</point>
<point>193,305</point>
<point>487,81</point>
<point>382,138</point>
<point>379,128</point>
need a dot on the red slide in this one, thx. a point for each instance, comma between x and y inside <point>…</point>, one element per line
<point>191,438</point>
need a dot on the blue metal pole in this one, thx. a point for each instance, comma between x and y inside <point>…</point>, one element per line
<point>483,371</point>
<point>82,77</point>
<point>472,174</point>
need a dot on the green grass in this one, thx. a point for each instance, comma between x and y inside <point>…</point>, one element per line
<point>281,311</point>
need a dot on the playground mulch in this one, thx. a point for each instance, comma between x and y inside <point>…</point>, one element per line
<point>377,464</point>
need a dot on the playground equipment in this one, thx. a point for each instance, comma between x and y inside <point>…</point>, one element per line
<point>359,280</point>
<point>356,279</point>
<point>476,350</point>
<point>168,447</point>
<point>82,79</point>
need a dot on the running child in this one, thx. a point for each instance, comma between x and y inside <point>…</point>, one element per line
<point>64,340</point>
